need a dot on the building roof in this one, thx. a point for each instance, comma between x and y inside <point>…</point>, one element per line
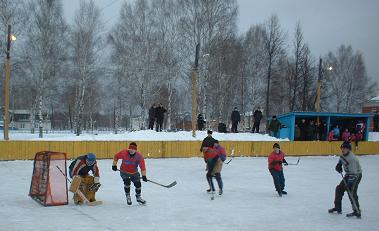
<point>334,114</point>
<point>375,98</point>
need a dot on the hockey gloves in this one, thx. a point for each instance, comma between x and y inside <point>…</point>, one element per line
<point>114,167</point>
<point>339,167</point>
<point>144,178</point>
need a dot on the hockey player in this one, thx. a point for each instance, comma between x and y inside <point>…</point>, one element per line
<point>218,166</point>
<point>211,155</point>
<point>353,175</point>
<point>208,141</point>
<point>275,162</point>
<point>131,160</point>
<point>89,185</point>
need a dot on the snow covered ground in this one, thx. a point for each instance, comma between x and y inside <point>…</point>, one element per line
<point>145,135</point>
<point>249,201</point>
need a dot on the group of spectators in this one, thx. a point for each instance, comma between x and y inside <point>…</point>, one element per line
<point>156,116</point>
<point>312,130</point>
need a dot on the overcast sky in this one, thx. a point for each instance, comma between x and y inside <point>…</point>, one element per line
<point>326,23</point>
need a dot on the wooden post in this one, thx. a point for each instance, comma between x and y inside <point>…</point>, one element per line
<point>194,90</point>
<point>7,86</point>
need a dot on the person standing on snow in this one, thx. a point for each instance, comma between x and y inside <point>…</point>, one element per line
<point>349,163</point>
<point>200,122</point>
<point>131,160</point>
<point>89,185</point>
<point>257,120</point>
<point>160,110</point>
<point>274,127</point>
<point>275,162</point>
<point>236,118</point>
<point>152,116</point>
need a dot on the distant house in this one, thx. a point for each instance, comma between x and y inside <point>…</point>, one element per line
<point>20,120</point>
<point>371,105</point>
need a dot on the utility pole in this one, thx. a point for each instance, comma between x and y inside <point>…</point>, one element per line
<point>7,84</point>
<point>318,100</point>
<point>194,90</point>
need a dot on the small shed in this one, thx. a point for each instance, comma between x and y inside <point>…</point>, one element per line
<point>326,120</point>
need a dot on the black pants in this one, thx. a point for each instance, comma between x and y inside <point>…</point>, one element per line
<point>340,191</point>
<point>151,124</point>
<point>234,126</point>
<point>159,125</point>
<point>279,180</point>
<point>128,178</point>
<point>256,127</point>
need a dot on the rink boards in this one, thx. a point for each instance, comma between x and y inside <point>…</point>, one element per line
<point>22,150</point>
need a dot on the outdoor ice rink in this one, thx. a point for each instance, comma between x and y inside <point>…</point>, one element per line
<point>249,201</point>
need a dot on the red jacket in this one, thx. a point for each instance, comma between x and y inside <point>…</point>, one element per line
<point>130,163</point>
<point>210,154</point>
<point>275,161</point>
<point>346,136</point>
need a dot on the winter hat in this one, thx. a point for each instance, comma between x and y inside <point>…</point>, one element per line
<point>133,146</point>
<point>91,158</point>
<point>346,144</point>
<point>276,145</point>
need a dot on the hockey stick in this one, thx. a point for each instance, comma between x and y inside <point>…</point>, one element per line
<point>80,193</point>
<point>297,163</point>
<point>350,195</point>
<point>166,186</point>
<point>232,156</point>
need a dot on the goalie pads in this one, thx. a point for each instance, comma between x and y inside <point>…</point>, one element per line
<point>75,184</point>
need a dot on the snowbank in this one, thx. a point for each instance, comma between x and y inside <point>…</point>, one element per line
<point>145,135</point>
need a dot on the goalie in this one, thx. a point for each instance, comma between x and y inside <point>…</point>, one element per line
<point>81,180</point>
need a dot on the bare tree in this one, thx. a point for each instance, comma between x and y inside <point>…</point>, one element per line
<point>347,85</point>
<point>44,53</point>
<point>86,42</point>
<point>274,42</point>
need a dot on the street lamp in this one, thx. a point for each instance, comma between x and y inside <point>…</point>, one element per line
<point>10,38</point>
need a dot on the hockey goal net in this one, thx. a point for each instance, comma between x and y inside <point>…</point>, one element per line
<point>49,185</point>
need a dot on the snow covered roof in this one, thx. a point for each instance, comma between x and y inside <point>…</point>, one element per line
<point>375,98</point>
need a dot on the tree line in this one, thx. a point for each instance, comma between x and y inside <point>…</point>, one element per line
<point>85,74</point>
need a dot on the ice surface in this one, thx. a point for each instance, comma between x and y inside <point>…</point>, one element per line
<point>249,201</point>
<point>145,135</point>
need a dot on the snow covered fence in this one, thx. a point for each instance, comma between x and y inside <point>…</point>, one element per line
<point>21,150</point>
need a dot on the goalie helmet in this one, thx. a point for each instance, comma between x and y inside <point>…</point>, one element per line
<point>91,158</point>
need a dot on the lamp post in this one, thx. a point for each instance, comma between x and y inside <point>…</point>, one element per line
<point>318,93</point>
<point>10,38</point>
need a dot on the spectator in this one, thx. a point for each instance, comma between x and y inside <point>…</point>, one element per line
<point>274,127</point>
<point>346,135</point>
<point>152,116</point>
<point>297,132</point>
<point>200,122</point>
<point>160,110</point>
<point>302,127</point>
<point>356,138</point>
<point>336,133</point>
<point>257,120</point>
<point>310,131</point>
<point>331,136</point>
<point>236,118</point>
